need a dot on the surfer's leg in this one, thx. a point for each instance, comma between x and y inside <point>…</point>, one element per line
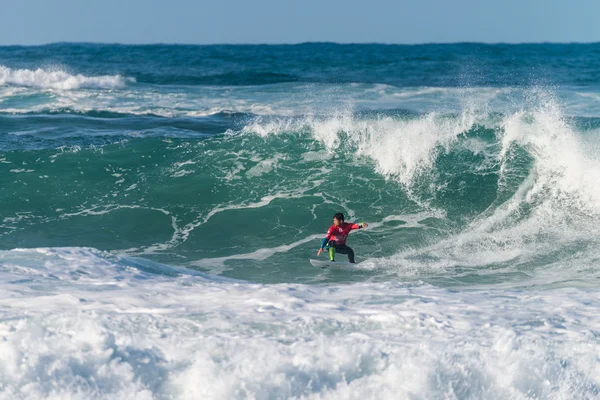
<point>350,253</point>
<point>331,253</point>
<point>343,249</point>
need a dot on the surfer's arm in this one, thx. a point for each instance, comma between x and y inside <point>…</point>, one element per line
<point>323,244</point>
<point>325,241</point>
<point>359,226</point>
<point>327,238</point>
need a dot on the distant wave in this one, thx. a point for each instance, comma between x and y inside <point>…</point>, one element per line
<point>59,79</point>
<point>117,112</point>
<point>237,78</point>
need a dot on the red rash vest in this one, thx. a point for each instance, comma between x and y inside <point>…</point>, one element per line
<point>340,233</point>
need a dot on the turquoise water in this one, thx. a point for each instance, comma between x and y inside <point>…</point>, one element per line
<point>160,205</point>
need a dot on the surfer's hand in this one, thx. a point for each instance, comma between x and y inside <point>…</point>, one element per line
<point>364,224</point>
<point>319,252</point>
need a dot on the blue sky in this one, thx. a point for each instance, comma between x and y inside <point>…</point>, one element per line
<point>272,21</point>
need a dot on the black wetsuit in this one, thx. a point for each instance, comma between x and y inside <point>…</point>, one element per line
<point>343,249</point>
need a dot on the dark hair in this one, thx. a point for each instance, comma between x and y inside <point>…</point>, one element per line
<point>339,217</point>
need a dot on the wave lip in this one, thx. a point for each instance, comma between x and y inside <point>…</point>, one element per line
<point>59,79</point>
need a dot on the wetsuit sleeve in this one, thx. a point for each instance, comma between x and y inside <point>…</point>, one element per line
<point>355,226</point>
<point>324,243</point>
<point>327,237</point>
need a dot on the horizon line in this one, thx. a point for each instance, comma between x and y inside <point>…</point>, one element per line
<point>303,43</point>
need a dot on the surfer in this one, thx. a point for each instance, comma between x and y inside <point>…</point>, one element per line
<point>335,240</point>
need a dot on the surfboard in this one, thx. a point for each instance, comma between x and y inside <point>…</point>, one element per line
<point>331,264</point>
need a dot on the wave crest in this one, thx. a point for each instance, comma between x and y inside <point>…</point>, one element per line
<point>59,79</point>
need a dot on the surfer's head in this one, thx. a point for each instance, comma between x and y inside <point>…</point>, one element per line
<point>338,219</point>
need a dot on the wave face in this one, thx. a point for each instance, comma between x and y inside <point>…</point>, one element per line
<point>159,205</point>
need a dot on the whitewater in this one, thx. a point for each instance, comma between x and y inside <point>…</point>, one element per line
<point>160,205</point>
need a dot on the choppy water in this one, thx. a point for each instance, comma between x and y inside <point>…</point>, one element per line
<point>159,205</point>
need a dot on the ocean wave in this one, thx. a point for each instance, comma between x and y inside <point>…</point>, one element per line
<point>516,190</point>
<point>404,146</point>
<point>59,79</point>
<point>239,78</point>
<point>521,185</point>
<point>119,112</point>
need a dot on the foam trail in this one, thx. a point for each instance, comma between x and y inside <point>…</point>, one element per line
<point>216,265</point>
<point>59,79</point>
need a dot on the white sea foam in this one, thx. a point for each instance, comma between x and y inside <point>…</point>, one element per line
<point>216,265</point>
<point>401,148</point>
<point>264,166</point>
<point>59,79</point>
<point>76,323</point>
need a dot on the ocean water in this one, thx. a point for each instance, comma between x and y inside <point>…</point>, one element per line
<point>159,204</point>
